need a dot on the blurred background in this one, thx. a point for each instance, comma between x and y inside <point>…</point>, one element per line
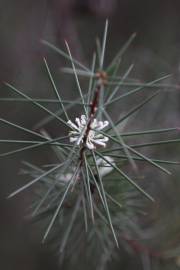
<point>154,52</point>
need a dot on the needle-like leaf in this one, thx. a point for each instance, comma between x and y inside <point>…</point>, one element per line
<point>103,46</point>
<point>89,188</point>
<point>35,103</point>
<point>90,88</point>
<point>114,91</point>
<point>149,132</point>
<point>79,72</point>
<point>105,201</point>
<point>60,203</point>
<point>135,109</point>
<point>70,225</point>
<point>76,77</point>
<point>142,159</point>
<point>65,55</point>
<point>136,90</point>
<point>35,180</point>
<point>121,141</point>
<point>21,128</point>
<point>55,89</point>
<point>122,51</point>
<point>33,145</point>
<point>126,177</point>
<point>139,154</point>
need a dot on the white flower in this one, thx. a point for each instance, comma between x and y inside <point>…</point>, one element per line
<point>93,137</point>
<point>104,166</point>
<point>65,178</point>
<point>104,169</point>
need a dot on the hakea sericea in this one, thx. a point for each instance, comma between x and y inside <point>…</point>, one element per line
<point>93,137</point>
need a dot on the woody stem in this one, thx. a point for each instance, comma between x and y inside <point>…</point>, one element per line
<point>93,109</point>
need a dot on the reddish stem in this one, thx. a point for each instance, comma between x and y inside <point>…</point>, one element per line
<point>93,106</point>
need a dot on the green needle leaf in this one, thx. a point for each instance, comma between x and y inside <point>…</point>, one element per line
<point>35,145</point>
<point>126,177</point>
<point>136,90</point>
<point>120,83</point>
<point>103,45</point>
<point>76,77</point>
<point>122,51</point>
<point>34,181</point>
<point>65,55</point>
<point>149,132</point>
<point>135,109</point>
<point>148,160</point>
<point>89,189</point>
<point>70,225</point>
<point>21,128</point>
<point>60,203</point>
<point>105,201</point>
<point>36,103</point>
<point>120,141</point>
<point>55,89</point>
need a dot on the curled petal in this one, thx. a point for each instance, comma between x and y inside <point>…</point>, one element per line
<point>94,124</point>
<point>102,125</point>
<point>77,120</point>
<point>72,125</point>
<point>104,139</point>
<point>73,133</point>
<point>73,139</point>
<point>99,136</point>
<point>99,142</point>
<point>83,120</point>
<point>90,145</point>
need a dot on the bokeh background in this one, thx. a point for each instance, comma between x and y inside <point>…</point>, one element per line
<point>155,52</point>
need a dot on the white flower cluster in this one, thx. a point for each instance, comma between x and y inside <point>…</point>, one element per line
<point>104,166</point>
<point>93,137</point>
<point>104,169</point>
